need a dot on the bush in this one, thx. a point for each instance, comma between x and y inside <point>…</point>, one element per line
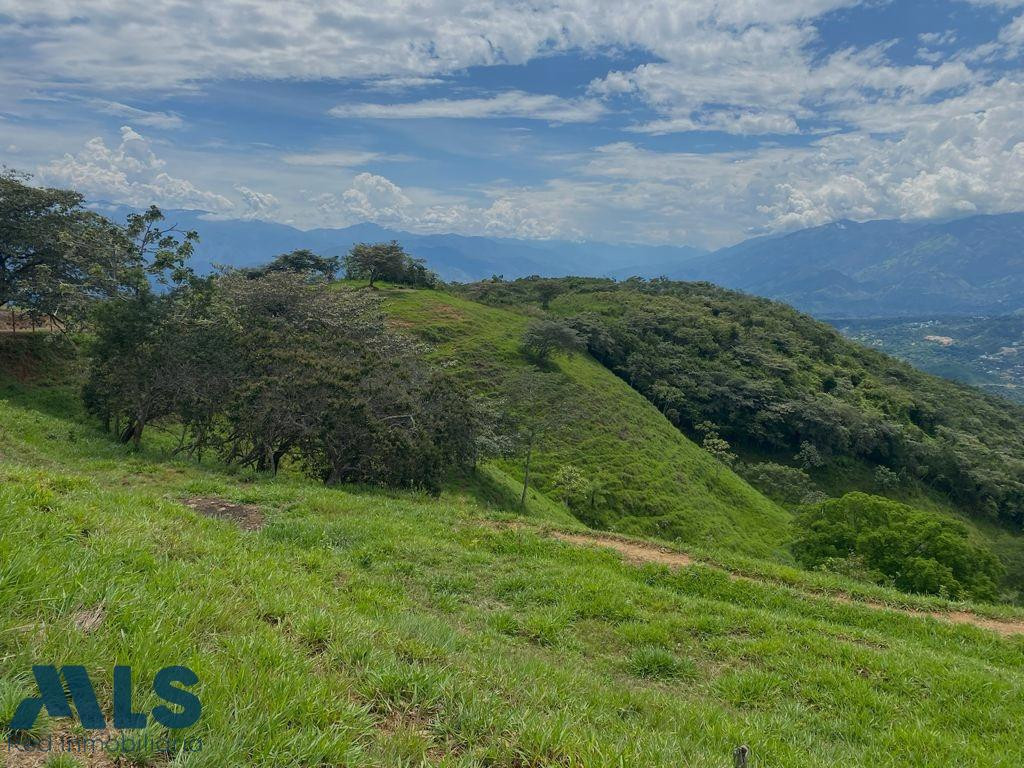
<point>571,485</point>
<point>787,485</point>
<point>918,551</point>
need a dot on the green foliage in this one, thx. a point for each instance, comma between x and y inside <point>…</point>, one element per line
<point>12,692</point>
<point>657,663</point>
<point>302,262</point>
<point>62,760</point>
<point>886,479</point>
<point>571,485</point>
<point>389,262</point>
<point>787,485</point>
<point>456,639</point>
<point>780,384</point>
<point>985,352</point>
<point>56,258</point>
<point>274,367</point>
<point>543,337</point>
<point>919,551</point>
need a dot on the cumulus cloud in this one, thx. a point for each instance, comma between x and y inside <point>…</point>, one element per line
<point>258,205</point>
<point>377,199</point>
<point>129,173</point>
<point>509,104</point>
<point>867,134</point>
<point>737,122</point>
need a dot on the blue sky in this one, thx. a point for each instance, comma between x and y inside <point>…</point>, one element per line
<point>663,121</point>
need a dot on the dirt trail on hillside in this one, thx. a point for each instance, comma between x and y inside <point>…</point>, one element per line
<point>638,552</point>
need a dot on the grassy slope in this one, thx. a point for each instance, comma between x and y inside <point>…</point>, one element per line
<point>368,629</point>
<point>658,483</point>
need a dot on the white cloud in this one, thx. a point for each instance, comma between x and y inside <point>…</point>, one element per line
<point>165,120</point>
<point>883,137</point>
<point>375,198</point>
<point>258,205</point>
<point>395,84</point>
<point>735,122</point>
<point>129,173</point>
<point>508,104</point>
<point>335,159</point>
<point>120,44</point>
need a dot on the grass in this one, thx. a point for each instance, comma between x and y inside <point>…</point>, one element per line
<point>655,481</point>
<point>363,628</point>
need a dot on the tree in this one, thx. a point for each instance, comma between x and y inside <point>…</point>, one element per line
<point>809,457</point>
<point>719,448</point>
<point>536,406</point>
<point>788,485</point>
<point>386,261</point>
<point>545,336</point>
<point>886,479</point>
<point>301,262</point>
<point>571,485</point>
<point>714,444</point>
<point>549,289</point>
<point>153,355</point>
<point>48,255</point>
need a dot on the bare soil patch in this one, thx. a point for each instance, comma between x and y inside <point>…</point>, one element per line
<point>246,516</point>
<point>88,619</point>
<point>633,551</point>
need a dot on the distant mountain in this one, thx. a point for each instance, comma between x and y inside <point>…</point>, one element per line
<point>241,243</point>
<point>970,266</point>
<point>967,266</point>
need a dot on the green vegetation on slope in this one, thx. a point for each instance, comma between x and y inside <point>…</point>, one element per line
<point>809,413</point>
<point>781,384</point>
<point>653,481</point>
<point>372,629</point>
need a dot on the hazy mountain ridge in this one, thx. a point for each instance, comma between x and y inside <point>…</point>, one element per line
<point>884,268</point>
<point>461,258</point>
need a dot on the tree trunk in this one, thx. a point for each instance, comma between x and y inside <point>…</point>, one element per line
<point>526,476</point>
<point>132,433</point>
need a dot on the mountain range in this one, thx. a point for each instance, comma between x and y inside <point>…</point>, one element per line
<point>966,266</point>
<point>884,268</point>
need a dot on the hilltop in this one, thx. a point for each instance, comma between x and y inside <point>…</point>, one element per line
<point>653,480</point>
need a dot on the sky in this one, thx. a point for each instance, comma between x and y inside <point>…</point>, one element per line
<point>698,122</point>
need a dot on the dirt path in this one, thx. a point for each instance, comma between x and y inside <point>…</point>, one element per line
<point>640,552</point>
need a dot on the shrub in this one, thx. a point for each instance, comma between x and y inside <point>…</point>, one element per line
<point>919,551</point>
<point>788,485</point>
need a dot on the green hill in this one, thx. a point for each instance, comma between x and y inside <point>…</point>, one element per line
<point>808,411</point>
<point>654,481</point>
<point>363,628</point>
